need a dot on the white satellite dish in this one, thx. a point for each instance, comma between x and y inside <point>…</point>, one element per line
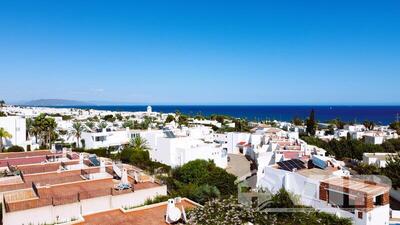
<point>174,214</point>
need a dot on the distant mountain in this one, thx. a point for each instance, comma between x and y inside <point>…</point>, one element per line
<point>55,102</point>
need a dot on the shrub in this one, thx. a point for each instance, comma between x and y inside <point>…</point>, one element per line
<point>15,148</point>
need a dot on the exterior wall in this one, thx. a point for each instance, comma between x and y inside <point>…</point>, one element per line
<point>112,138</point>
<point>51,214</point>
<point>378,216</point>
<point>137,198</point>
<point>376,140</point>
<point>66,212</point>
<point>207,152</point>
<point>16,126</point>
<point>42,215</point>
<point>163,151</point>
<point>95,204</point>
<point>234,138</point>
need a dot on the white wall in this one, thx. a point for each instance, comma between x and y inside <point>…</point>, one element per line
<point>138,197</point>
<point>48,214</point>
<point>16,126</point>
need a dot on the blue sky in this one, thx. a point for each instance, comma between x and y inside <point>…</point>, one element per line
<point>201,52</point>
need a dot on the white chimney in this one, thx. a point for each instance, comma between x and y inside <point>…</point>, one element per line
<point>102,166</point>
<point>81,158</point>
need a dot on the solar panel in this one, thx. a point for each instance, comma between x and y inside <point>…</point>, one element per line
<point>291,164</point>
<point>169,134</point>
<point>94,160</point>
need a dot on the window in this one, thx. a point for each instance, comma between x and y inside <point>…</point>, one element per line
<point>360,215</point>
<point>378,200</point>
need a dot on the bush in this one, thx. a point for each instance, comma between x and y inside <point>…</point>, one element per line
<point>101,152</point>
<point>15,148</point>
<point>202,180</point>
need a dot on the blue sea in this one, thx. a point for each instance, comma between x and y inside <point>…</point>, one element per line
<point>378,114</point>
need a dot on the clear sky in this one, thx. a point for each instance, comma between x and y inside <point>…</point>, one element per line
<point>201,52</point>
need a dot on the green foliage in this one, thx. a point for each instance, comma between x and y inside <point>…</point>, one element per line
<point>366,169</point>
<point>169,118</point>
<point>137,154</point>
<point>78,128</point>
<point>282,199</point>
<point>354,149</point>
<point>297,121</point>
<point>90,125</point>
<point>101,152</point>
<point>183,119</point>
<point>202,180</point>
<point>392,170</point>
<point>229,211</point>
<point>3,134</point>
<point>157,199</point>
<point>119,117</point>
<point>337,123</point>
<point>66,117</point>
<point>44,127</point>
<point>395,126</point>
<point>369,124</point>
<point>15,148</point>
<point>102,125</point>
<point>311,124</point>
<point>109,118</point>
<point>129,124</point>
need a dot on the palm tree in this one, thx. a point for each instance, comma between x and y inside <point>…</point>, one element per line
<point>139,144</point>
<point>78,129</point>
<point>44,127</point>
<point>90,125</point>
<point>3,134</point>
<point>102,125</point>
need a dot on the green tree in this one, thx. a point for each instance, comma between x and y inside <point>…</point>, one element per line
<point>183,119</point>
<point>102,125</point>
<point>367,169</point>
<point>3,134</point>
<point>119,117</point>
<point>392,170</point>
<point>2,103</point>
<point>395,126</point>
<point>297,121</point>
<point>109,118</point>
<point>90,125</point>
<point>369,124</point>
<point>200,172</point>
<point>45,126</point>
<point>78,128</point>
<point>139,143</point>
<point>129,124</point>
<point>311,123</point>
<point>169,119</point>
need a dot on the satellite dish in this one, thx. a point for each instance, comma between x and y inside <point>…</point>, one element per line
<point>174,214</point>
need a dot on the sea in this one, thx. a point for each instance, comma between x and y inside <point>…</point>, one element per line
<point>379,114</point>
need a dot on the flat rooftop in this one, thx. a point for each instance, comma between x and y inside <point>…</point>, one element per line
<point>316,173</point>
<point>149,215</point>
<point>9,155</point>
<point>356,185</point>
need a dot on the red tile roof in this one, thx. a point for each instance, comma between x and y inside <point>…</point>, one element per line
<point>146,215</point>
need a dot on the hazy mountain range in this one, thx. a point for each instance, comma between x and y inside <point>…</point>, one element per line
<point>55,102</point>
